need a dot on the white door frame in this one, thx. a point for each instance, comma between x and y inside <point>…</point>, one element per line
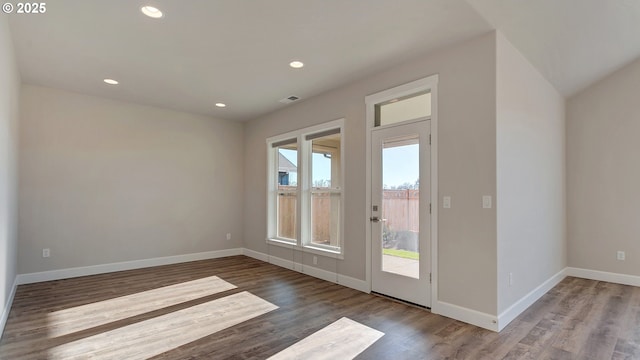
<point>421,85</point>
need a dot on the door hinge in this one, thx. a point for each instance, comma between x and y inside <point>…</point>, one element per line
<point>429,278</point>
<point>429,208</point>
<point>429,139</point>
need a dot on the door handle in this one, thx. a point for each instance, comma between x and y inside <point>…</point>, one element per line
<point>376,219</point>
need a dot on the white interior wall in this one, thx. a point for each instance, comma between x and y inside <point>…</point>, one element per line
<point>603,168</point>
<point>467,256</point>
<point>531,205</point>
<point>104,181</point>
<point>9,95</point>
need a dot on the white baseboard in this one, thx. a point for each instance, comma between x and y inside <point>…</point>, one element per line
<point>256,255</point>
<point>470,316</point>
<point>7,306</point>
<point>137,264</point>
<point>354,283</point>
<point>287,264</point>
<point>523,304</point>
<point>491,322</point>
<point>473,317</point>
<point>615,278</point>
<point>330,276</point>
<point>121,266</point>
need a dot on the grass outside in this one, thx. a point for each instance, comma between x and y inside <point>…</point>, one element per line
<point>401,253</point>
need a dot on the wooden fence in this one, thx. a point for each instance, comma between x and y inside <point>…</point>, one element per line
<point>399,208</point>
<point>287,214</point>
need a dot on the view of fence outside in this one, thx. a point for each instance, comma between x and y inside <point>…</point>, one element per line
<point>399,208</point>
<point>325,209</point>
<point>321,219</point>
<point>287,203</point>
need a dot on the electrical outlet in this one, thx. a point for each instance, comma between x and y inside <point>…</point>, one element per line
<point>621,255</point>
<point>228,236</point>
<point>510,279</point>
<point>46,253</point>
<point>315,260</point>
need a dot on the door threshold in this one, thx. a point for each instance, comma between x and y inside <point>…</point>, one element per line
<point>409,303</point>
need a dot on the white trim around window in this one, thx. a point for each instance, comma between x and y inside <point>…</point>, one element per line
<point>295,194</point>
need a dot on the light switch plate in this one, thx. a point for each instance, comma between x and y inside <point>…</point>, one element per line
<point>486,202</point>
<point>446,202</point>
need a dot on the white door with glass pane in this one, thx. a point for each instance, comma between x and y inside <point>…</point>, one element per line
<point>400,214</point>
<point>402,183</point>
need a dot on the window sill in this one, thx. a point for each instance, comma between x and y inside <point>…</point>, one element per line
<point>335,254</point>
<point>283,243</point>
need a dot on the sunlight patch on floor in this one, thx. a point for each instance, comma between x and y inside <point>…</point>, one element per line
<point>343,339</point>
<point>155,336</point>
<point>67,321</point>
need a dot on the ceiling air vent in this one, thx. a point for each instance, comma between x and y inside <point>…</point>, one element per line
<point>289,99</point>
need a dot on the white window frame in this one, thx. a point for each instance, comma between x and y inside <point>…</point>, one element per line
<point>304,191</point>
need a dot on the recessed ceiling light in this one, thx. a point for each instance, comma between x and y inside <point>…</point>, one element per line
<point>111,81</point>
<point>221,105</point>
<point>296,64</point>
<point>152,12</point>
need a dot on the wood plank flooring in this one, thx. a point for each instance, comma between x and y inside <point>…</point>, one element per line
<point>578,319</point>
<point>343,339</point>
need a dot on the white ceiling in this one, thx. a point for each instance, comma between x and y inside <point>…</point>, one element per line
<point>237,51</point>
<point>573,43</point>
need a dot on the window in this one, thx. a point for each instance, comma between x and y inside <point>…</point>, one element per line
<point>411,107</point>
<point>287,189</point>
<point>305,203</point>
<point>325,188</point>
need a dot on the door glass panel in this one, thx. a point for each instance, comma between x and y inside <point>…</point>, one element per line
<point>400,206</point>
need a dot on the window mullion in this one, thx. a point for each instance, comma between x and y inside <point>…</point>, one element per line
<point>304,188</point>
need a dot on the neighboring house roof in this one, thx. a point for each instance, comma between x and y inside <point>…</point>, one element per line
<point>284,165</point>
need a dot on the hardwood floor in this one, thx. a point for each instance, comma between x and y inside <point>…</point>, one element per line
<point>89,317</point>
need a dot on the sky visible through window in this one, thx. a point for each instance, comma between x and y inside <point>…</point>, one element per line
<point>400,165</point>
<point>321,170</point>
<point>292,156</point>
<point>321,167</point>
